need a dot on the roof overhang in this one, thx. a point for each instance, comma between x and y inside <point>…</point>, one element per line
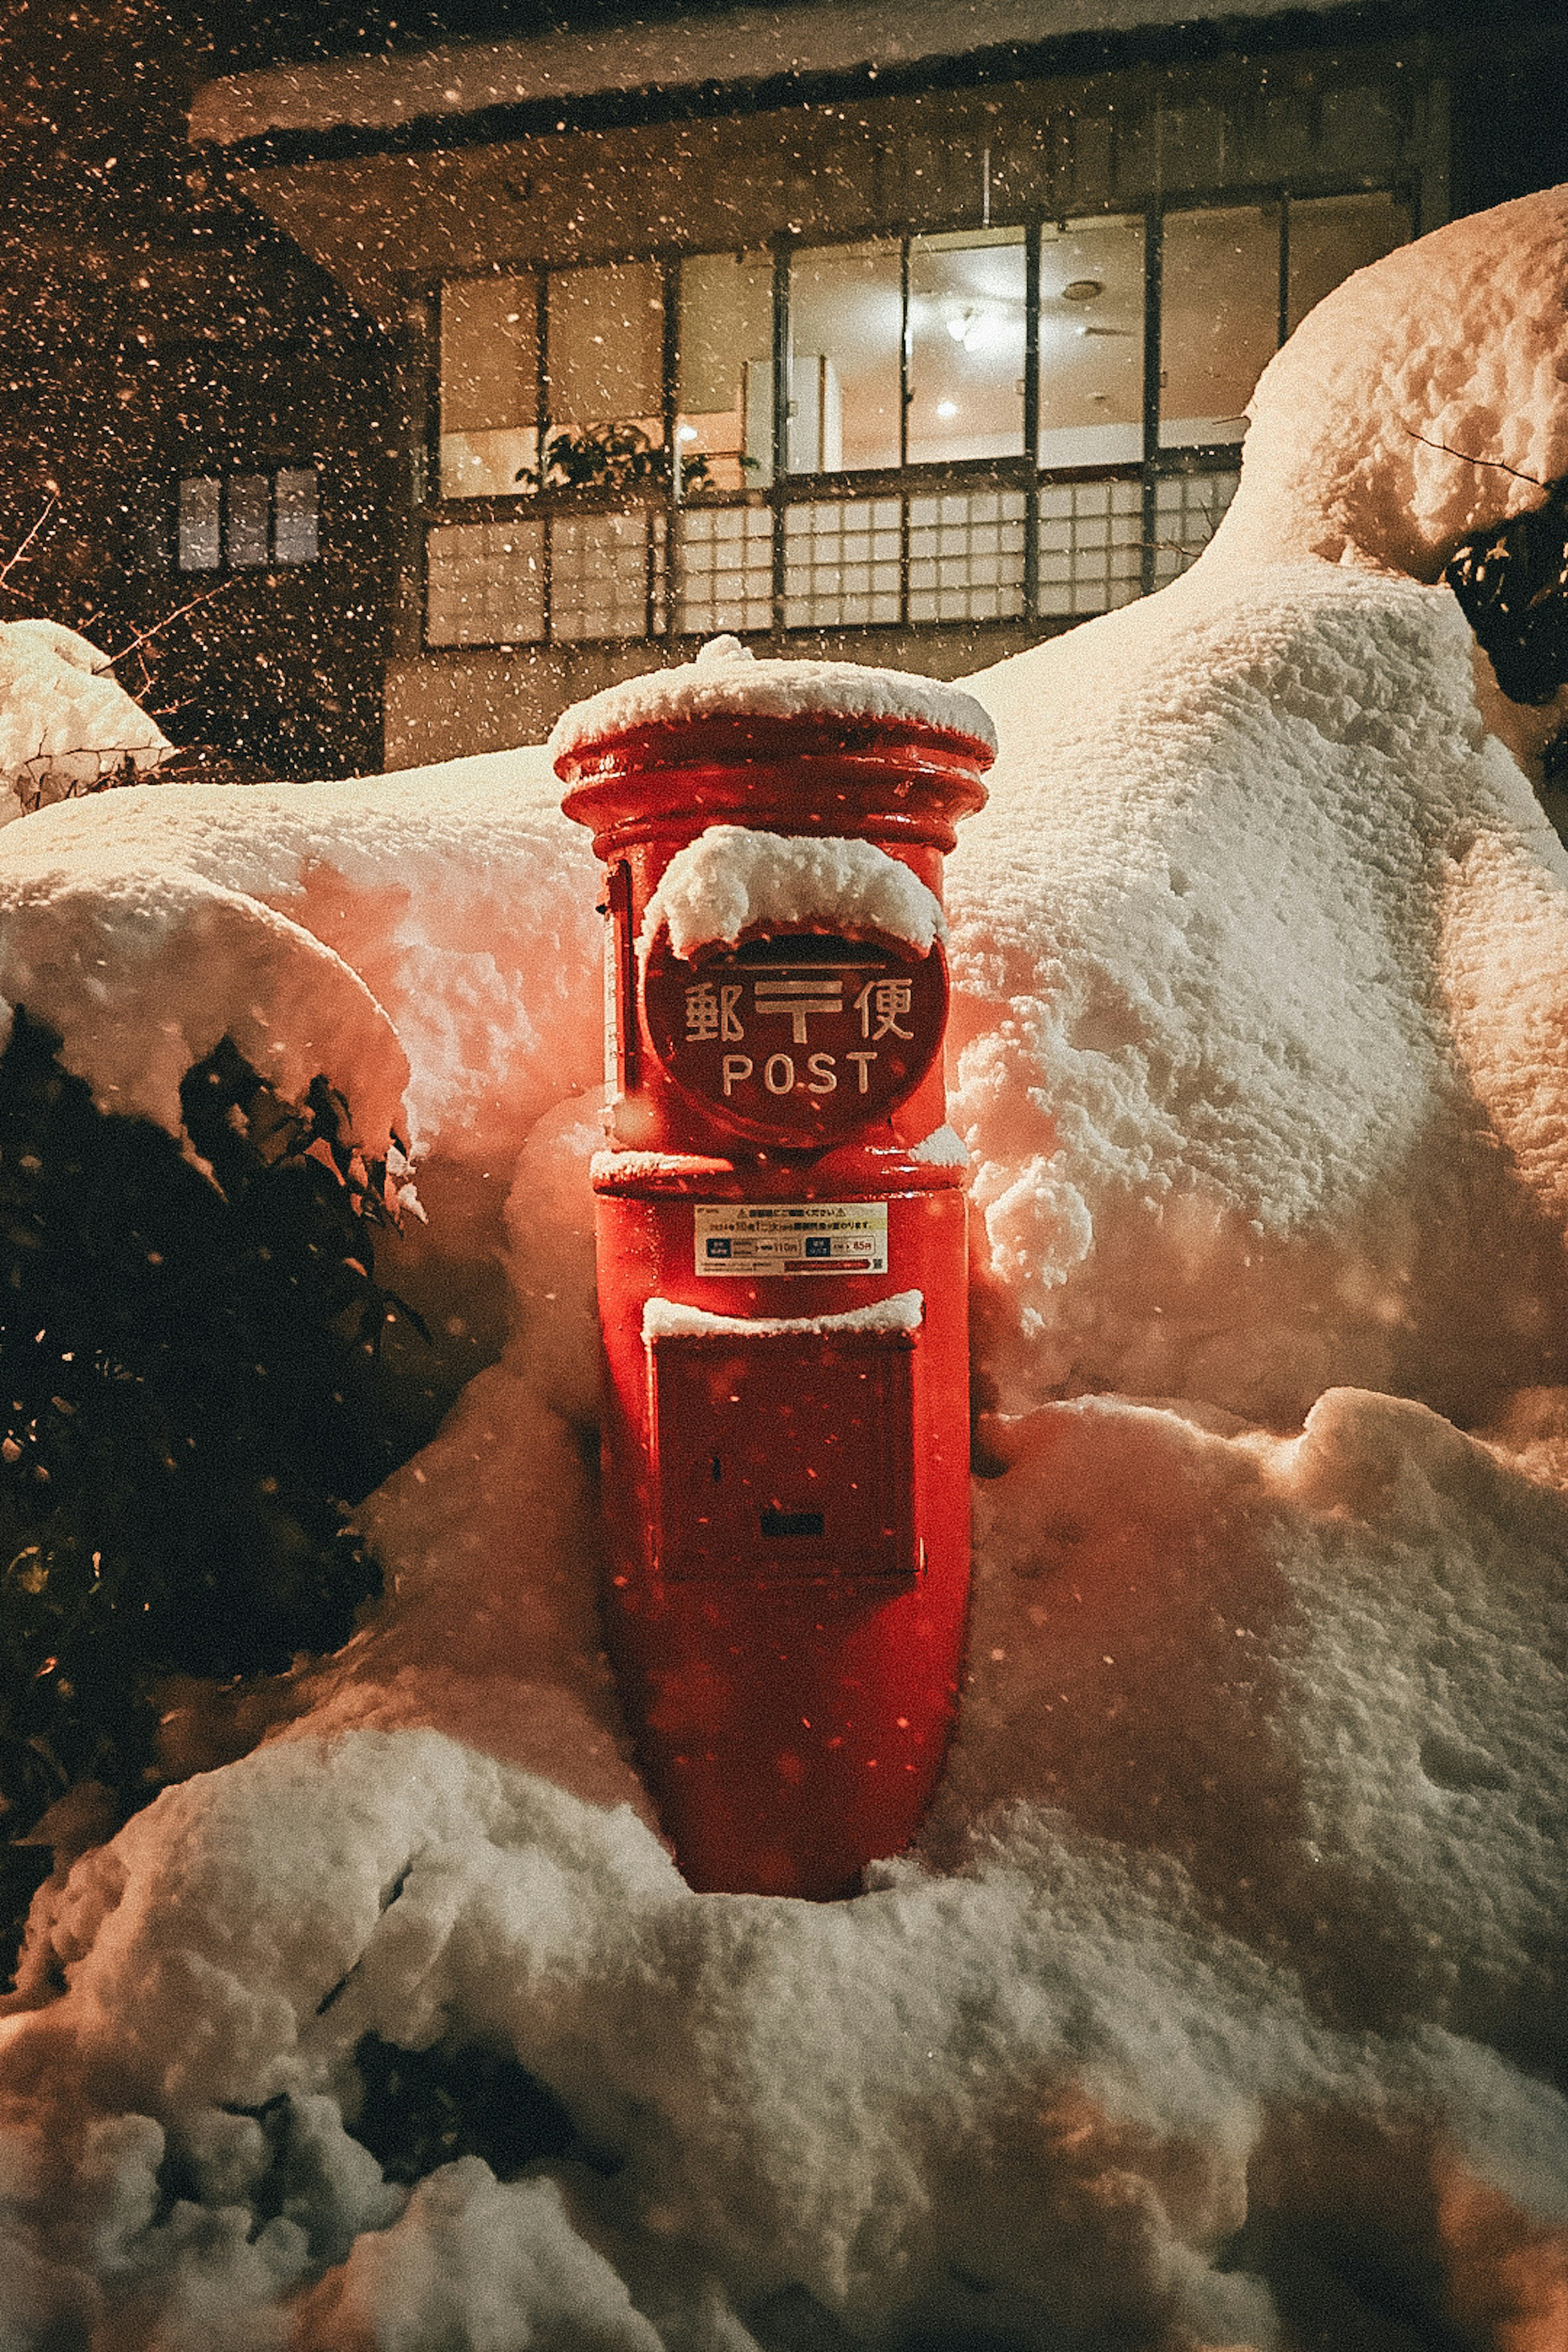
<point>460,93</point>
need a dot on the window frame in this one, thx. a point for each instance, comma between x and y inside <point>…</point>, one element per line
<point>224,472</point>
<point>904,481</point>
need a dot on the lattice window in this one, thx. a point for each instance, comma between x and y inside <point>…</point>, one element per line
<point>841,562</point>
<point>485,583</point>
<point>606,575</point>
<point>1090,552</point>
<point>1187,512</point>
<point>966,556</point>
<point>723,569</point>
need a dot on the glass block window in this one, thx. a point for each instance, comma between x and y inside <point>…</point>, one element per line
<point>606,575</point>
<point>1187,511</point>
<point>1090,546</point>
<point>485,583</point>
<point>966,556</point>
<point>841,562</point>
<point>723,569</point>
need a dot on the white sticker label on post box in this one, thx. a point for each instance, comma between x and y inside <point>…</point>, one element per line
<point>794,1237</point>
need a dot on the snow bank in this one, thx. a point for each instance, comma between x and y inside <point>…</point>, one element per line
<point>1222,2001</point>
<point>731,880</point>
<point>456,900</point>
<point>726,680</point>
<point>65,721</point>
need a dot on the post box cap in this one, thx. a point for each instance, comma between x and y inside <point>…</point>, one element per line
<point>726,681</point>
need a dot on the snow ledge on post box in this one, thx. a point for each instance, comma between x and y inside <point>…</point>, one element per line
<point>726,681</point>
<point>666,1318</point>
<point>730,878</point>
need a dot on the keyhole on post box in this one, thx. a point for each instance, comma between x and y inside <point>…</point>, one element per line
<point>718,1470</point>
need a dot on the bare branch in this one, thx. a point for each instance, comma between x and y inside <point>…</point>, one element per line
<point>168,620</point>
<point>17,553</point>
<point>1465,458</point>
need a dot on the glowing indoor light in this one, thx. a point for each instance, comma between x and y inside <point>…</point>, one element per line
<point>947,408</point>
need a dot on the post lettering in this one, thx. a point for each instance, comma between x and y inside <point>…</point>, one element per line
<point>862,1062</point>
<point>778,1085</point>
<point>736,1067</point>
<point>823,1077</point>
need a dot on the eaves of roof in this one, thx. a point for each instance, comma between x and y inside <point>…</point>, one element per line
<point>745,60</point>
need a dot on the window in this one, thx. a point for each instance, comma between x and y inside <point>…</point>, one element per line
<point>966,337</point>
<point>725,401</point>
<point>1219,320</point>
<point>1091,343</point>
<point>605,346</point>
<point>242,522</point>
<point>842,369</point>
<point>489,386</point>
<point>1035,421</point>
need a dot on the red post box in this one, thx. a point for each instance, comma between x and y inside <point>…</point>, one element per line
<point>782,1261</point>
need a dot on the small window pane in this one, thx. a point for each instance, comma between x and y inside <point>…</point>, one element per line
<point>295,539</point>
<point>248,500</point>
<point>1331,237</point>
<point>966,346</point>
<point>200,501</point>
<point>726,366</point>
<point>846,324</point>
<point>1219,320</point>
<point>1091,343</point>
<point>606,349</point>
<point>489,386</point>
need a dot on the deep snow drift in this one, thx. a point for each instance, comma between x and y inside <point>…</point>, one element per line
<point>1222,2003</point>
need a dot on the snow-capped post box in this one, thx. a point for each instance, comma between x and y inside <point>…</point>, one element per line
<point>781,1250</point>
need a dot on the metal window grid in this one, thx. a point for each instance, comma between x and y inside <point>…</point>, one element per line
<point>485,583</point>
<point>1090,547</point>
<point>966,556</point>
<point>842,562</point>
<point>607,575</point>
<point>1188,509</point>
<point>723,569</point>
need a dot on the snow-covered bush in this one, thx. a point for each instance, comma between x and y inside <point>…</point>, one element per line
<point>67,726</point>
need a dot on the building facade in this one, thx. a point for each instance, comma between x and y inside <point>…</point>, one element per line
<point>844,333</point>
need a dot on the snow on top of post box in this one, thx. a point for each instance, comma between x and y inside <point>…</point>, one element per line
<point>727,680</point>
<point>668,1319</point>
<point>731,878</point>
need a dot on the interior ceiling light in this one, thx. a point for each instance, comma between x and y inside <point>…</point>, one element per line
<point>1083,290</point>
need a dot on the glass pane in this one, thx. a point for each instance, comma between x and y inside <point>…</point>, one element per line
<point>1091,343</point>
<point>1219,320</point>
<point>198,545</point>
<point>966,346</point>
<point>1332,236</point>
<point>726,367</point>
<point>247,503</point>
<point>846,319</point>
<point>490,377</point>
<point>606,357</point>
<point>294,517</point>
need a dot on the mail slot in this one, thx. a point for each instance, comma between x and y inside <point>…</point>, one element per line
<point>781,1259</point>
<point>806,1467</point>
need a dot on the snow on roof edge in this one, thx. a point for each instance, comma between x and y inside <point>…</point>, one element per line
<point>387,91</point>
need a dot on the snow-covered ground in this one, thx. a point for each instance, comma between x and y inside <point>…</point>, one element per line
<point>1222,2002</point>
